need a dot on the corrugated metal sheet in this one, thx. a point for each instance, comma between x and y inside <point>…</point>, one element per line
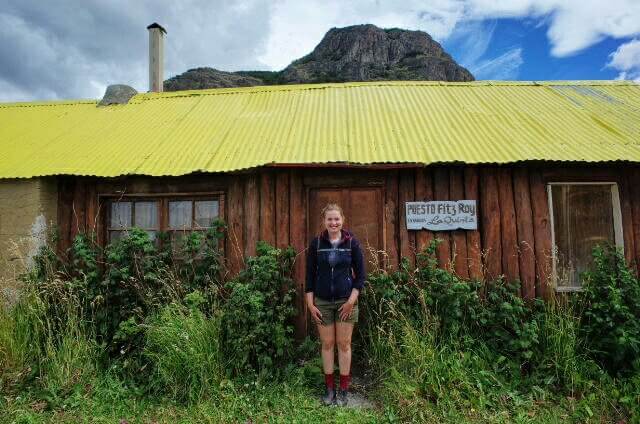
<point>360,123</point>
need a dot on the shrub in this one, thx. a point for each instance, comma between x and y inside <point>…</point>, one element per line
<point>610,304</point>
<point>257,320</point>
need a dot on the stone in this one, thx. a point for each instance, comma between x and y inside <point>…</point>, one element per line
<point>117,94</point>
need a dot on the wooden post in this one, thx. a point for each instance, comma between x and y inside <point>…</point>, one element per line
<point>424,193</point>
<point>490,219</point>
<point>541,233</point>
<point>634,184</point>
<point>508,232</point>
<point>526,241</point>
<point>441,192</point>
<point>251,212</point>
<point>267,208</point>
<point>235,239</point>
<point>298,241</point>
<point>282,208</point>
<point>627,218</point>
<point>391,211</point>
<point>474,244</point>
<point>406,194</point>
<point>458,237</point>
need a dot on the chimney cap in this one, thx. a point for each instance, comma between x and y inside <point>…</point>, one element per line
<point>157,25</point>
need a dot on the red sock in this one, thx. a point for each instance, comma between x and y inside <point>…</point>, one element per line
<point>328,379</point>
<point>344,381</point>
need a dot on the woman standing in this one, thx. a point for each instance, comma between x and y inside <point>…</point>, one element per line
<point>335,277</point>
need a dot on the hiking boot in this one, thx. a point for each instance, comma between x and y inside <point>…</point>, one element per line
<point>329,397</point>
<point>342,398</point>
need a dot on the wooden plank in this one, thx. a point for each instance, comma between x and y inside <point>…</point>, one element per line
<point>267,208</point>
<point>541,233</point>
<point>627,218</point>
<point>282,209</point>
<point>526,241</point>
<point>78,206</point>
<point>91,216</point>
<point>406,193</point>
<point>474,244</point>
<point>298,228</point>
<point>391,211</point>
<point>634,183</point>
<point>65,215</point>
<point>508,230</point>
<point>490,220</point>
<point>235,214</point>
<point>251,214</point>
<point>424,192</point>
<point>441,192</point>
<point>458,237</point>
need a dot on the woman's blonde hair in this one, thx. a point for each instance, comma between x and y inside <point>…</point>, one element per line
<point>331,207</point>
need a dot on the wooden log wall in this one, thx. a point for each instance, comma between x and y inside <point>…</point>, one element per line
<point>513,239</point>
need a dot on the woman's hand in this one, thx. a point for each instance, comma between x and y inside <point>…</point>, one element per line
<point>315,314</point>
<point>345,310</point>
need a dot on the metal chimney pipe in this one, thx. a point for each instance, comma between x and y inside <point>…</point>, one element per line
<point>156,57</point>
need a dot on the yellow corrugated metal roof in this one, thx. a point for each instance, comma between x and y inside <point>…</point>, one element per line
<point>224,130</point>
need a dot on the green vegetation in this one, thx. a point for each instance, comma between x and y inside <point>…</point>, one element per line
<point>148,334</point>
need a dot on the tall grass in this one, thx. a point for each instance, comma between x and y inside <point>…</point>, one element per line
<point>45,340</point>
<point>183,346</point>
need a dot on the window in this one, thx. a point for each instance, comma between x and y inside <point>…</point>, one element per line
<point>186,216</point>
<point>128,214</point>
<point>177,215</point>
<point>583,215</point>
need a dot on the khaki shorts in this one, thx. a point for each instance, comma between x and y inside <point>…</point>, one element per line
<point>330,312</point>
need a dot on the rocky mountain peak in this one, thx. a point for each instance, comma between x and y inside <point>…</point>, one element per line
<point>354,53</point>
<point>366,53</point>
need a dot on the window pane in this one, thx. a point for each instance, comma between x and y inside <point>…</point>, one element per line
<point>206,212</point>
<point>582,218</point>
<point>116,235</point>
<point>180,215</point>
<point>120,215</point>
<point>147,215</point>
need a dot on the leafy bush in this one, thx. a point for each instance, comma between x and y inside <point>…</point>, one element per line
<point>494,312</point>
<point>610,304</point>
<point>257,319</point>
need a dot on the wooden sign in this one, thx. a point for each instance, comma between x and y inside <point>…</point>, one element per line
<point>442,215</point>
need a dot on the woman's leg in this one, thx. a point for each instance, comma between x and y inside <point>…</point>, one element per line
<point>328,340</point>
<point>344,330</point>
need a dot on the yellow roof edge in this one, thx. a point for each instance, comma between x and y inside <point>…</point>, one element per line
<point>140,97</point>
<point>339,164</point>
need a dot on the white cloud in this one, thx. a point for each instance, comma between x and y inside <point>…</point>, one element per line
<point>75,49</point>
<point>503,67</point>
<point>626,59</point>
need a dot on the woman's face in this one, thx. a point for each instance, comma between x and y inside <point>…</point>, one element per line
<point>333,221</point>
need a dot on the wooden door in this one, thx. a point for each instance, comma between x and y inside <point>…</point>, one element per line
<point>363,211</point>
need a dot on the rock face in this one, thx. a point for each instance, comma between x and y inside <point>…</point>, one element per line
<point>355,53</point>
<point>369,53</point>
<point>117,94</point>
<point>200,78</point>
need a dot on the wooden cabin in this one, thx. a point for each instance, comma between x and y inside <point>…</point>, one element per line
<point>552,168</point>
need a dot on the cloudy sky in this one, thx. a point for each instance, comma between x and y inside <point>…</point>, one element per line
<point>63,49</point>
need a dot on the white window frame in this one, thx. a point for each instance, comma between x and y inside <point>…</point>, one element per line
<point>617,224</point>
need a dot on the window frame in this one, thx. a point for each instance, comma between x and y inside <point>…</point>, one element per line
<point>163,200</point>
<point>618,233</point>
